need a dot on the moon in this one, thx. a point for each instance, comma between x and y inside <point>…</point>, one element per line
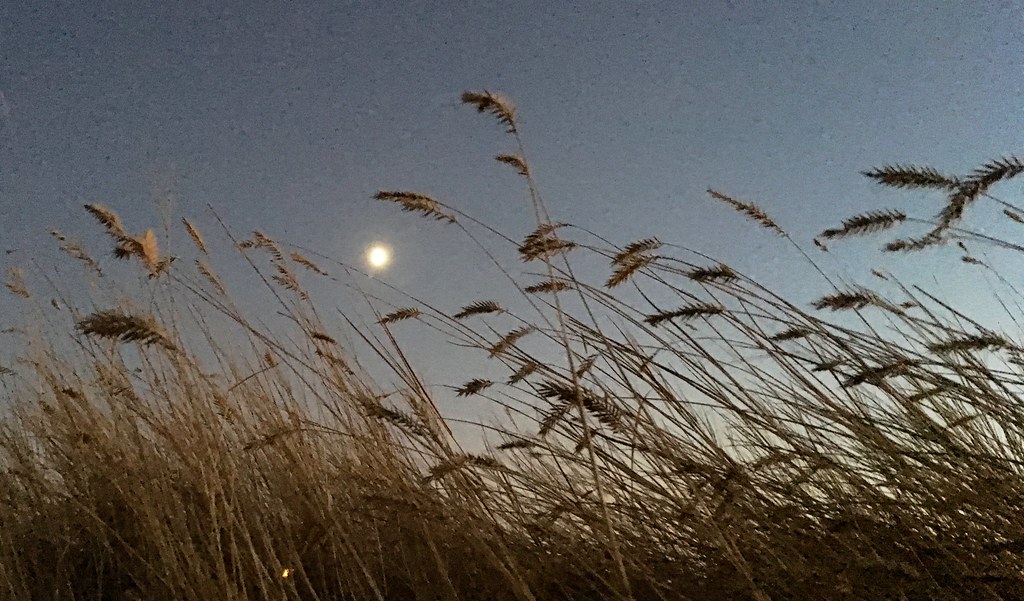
<point>378,256</point>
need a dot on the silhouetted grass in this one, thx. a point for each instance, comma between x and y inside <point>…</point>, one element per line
<point>714,441</point>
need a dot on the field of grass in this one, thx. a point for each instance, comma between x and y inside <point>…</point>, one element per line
<point>674,430</point>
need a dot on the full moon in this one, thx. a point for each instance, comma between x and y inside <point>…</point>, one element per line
<point>378,256</point>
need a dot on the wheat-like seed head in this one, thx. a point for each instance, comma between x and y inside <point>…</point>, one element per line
<point>635,249</point>
<point>479,308</point>
<point>600,407</point>
<point>750,210</point>
<point>911,176</point>
<point>604,411</point>
<point>16,282</point>
<point>399,315</point>
<point>194,234</point>
<point>585,366</point>
<point>509,340</point>
<point>76,251</point>
<point>322,337</point>
<point>416,203</point>
<point>143,247</point>
<point>854,299</point>
<point>262,240</point>
<point>211,277</point>
<point>148,251</point>
<point>516,162</point>
<point>957,203</point>
<point>933,238</point>
<point>626,270</point>
<point>495,104</point>
<point>553,417</point>
<point>400,419</point>
<point>685,313</point>
<point>551,285</point>
<point>474,386</point>
<point>126,248</point>
<point>523,372</point>
<point>718,273</point>
<point>335,361</point>
<point>875,375</point>
<point>866,223</point>
<point>544,242</point>
<point>302,260</point>
<point>287,280</point>
<point>108,219</point>
<point>125,327</point>
<point>791,334</point>
<point>632,259</point>
<point>971,343</point>
<point>974,186</point>
<point>998,170</point>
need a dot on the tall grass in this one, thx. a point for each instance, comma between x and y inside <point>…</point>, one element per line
<point>674,429</point>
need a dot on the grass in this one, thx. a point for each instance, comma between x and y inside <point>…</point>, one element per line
<point>674,429</point>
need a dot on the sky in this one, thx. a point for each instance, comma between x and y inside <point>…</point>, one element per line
<point>288,117</point>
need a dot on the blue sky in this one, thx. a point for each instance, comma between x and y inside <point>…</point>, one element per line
<point>288,117</point>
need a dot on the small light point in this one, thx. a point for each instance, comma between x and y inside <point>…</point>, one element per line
<point>378,256</point>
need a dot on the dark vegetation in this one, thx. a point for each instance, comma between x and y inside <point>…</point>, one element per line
<point>709,441</point>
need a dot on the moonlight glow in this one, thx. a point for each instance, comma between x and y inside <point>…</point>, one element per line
<point>378,256</point>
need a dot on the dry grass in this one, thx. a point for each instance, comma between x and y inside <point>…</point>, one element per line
<point>736,446</point>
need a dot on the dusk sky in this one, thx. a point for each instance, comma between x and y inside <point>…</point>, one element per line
<point>288,117</point>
